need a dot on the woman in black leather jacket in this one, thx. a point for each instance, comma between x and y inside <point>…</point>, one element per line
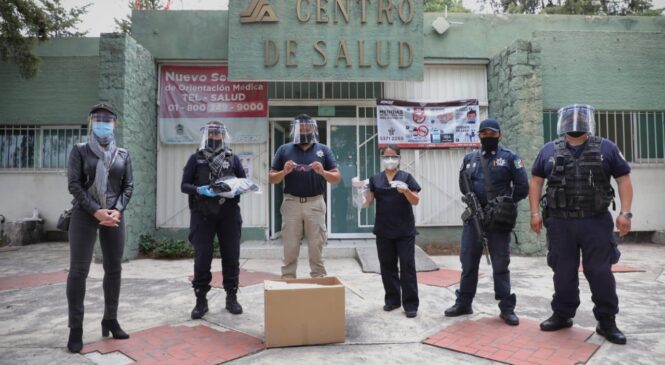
<point>100,179</point>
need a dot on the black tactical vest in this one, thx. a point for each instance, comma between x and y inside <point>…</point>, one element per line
<point>204,176</point>
<point>578,187</point>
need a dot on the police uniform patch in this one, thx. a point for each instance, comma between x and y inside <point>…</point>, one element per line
<point>319,153</point>
<point>519,164</point>
<point>500,162</point>
<point>226,164</point>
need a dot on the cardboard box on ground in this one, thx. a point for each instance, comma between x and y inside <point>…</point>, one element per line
<point>304,312</point>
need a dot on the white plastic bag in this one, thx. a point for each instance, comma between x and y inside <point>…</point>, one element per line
<point>360,193</point>
<point>230,187</point>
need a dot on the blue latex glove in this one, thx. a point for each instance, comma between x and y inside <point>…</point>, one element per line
<point>205,191</point>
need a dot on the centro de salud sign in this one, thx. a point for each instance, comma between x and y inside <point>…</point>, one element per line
<point>319,40</point>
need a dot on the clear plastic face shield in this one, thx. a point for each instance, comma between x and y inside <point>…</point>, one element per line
<point>304,131</point>
<point>576,118</point>
<point>214,137</point>
<point>390,159</point>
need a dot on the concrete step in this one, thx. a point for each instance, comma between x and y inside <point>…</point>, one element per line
<point>336,249</point>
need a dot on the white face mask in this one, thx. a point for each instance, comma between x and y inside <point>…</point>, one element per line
<point>390,163</point>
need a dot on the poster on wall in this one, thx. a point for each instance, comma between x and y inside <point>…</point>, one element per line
<point>191,96</point>
<point>247,160</point>
<point>452,124</point>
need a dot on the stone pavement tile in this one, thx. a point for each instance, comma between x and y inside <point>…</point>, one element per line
<point>32,280</point>
<point>247,278</point>
<point>180,345</point>
<point>441,277</point>
<point>525,344</point>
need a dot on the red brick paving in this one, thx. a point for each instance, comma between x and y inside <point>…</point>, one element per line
<point>32,280</point>
<point>441,277</point>
<point>180,345</point>
<point>620,269</point>
<point>247,278</point>
<point>525,344</point>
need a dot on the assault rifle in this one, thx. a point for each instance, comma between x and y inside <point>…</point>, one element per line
<point>474,212</point>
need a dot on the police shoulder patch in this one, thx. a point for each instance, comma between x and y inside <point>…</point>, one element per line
<point>319,153</point>
<point>519,163</point>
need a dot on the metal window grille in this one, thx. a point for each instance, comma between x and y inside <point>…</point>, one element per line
<point>304,90</point>
<point>639,135</point>
<point>31,147</point>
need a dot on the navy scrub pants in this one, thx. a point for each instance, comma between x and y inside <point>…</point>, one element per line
<point>401,285</point>
<point>472,251</point>
<point>594,238</point>
<point>203,228</point>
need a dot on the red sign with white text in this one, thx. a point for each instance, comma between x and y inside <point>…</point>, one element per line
<point>205,92</point>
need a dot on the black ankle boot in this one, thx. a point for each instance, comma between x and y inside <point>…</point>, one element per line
<point>200,309</point>
<point>113,326</point>
<point>232,304</point>
<point>607,328</point>
<point>75,343</point>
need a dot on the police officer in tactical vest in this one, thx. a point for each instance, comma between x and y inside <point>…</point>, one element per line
<point>499,180</point>
<point>578,167</point>
<point>213,215</point>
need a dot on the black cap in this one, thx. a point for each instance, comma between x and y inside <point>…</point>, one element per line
<point>490,124</point>
<point>103,106</point>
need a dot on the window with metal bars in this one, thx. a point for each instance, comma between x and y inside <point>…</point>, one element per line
<point>639,135</point>
<point>304,90</point>
<point>31,147</point>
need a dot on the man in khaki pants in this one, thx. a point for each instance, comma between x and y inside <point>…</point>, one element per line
<point>305,166</point>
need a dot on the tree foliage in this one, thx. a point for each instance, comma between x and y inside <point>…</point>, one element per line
<point>575,7</point>
<point>437,6</point>
<point>125,25</point>
<point>23,22</point>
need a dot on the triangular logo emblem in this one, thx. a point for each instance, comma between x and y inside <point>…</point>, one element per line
<point>258,11</point>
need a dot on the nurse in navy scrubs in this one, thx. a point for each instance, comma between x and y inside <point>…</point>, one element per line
<point>396,192</point>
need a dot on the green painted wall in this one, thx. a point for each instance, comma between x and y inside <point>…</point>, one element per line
<point>611,71</point>
<point>61,93</point>
<point>182,34</point>
<point>128,80</point>
<point>484,36</point>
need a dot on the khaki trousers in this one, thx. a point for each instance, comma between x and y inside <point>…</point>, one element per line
<point>303,217</point>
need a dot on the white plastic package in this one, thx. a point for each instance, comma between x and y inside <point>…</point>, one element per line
<point>360,193</point>
<point>398,184</point>
<point>230,186</point>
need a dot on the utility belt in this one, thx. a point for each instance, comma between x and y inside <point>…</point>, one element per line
<point>569,214</point>
<point>303,199</point>
<point>500,214</point>
<point>211,206</point>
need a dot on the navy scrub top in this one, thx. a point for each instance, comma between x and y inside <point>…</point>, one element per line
<point>394,213</point>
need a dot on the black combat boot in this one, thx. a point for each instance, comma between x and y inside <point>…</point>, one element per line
<point>232,304</point>
<point>607,328</point>
<point>458,310</point>
<point>201,307</point>
<point>555,323</point>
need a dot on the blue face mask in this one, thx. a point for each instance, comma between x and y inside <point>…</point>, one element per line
<point>102,129</point>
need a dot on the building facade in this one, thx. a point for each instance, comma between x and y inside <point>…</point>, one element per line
<point>520,68</point>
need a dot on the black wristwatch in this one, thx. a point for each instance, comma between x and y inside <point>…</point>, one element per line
<point>628,215</point>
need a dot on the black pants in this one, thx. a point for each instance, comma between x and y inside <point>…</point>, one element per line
<point>401,285</point>
<point>203,228</point>
<point>82,236</point>
<point>470,255</point>
<point>593,237</point>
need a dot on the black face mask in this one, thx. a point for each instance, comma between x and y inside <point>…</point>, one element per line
<point>306,138</point>
<point>489,144</point>
<point>576,134</point>
<point>214,144</point>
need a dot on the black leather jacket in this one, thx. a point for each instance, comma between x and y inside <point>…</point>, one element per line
<point>81,175</point>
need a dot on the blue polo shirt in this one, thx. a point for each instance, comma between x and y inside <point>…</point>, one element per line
<point>394,213</point>
<point>613,162</point>
<point>304,183</point>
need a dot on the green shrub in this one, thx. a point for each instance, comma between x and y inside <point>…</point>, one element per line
<point>165,249</point>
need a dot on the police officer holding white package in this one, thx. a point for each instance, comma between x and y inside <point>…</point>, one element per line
<point>213,215</point>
